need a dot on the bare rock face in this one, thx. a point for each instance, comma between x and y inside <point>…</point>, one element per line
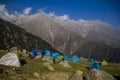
<point>98,75</point>
<point>65,64</point>
<point>77,75</point>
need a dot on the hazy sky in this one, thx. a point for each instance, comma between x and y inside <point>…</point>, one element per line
<point>104,10</point>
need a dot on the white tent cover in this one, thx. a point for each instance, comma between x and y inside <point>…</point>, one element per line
<point>10,59</point>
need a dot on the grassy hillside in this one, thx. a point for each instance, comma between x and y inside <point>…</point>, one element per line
<point>36,65</point>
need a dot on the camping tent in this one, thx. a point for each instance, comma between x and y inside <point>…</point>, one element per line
<point>35,51</point>
<point>10,59</point>
<point>60,57</point>
<point>47,53</point>
<point>14,49</point>
<point>90,60</point>
<point>75,58</point>
<point>95,66</point>
<point>55,55</point>
<point>67,57</point>
<point>104,62</point>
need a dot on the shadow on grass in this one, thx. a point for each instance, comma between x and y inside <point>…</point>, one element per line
<point>117,77</point>
<point>84,78</point>
<point>88,68</point>
<point>23,61</point>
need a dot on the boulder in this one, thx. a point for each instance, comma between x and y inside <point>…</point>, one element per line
<point>48,59</point>
<point>47,64</point>
<point>36,75</point>
<point>98,75</point>
<point>65,64</point>
<point>38,56</point>
<point>77,75</point>
<point>24,53</point>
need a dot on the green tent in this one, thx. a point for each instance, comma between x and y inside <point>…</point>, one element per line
<point>104,62</point>
<point>60,57</point>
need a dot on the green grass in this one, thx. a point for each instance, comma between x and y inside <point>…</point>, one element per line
<point>112,68</point>
<point>36,65</point>
<point>3,52</point>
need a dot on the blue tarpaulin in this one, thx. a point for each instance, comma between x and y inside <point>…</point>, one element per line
<point>35,51</point>
<point>75,58</point>
<point>47,53</point>
<point>90,60</point>
<point>67,57</point>
<point>56,55</point>
<point>95,66</point>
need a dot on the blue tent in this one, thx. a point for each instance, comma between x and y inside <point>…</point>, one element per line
<point>75,58</point>
<point>95,66</point>
<point>56,55</point>
<point>67,57</point>
<point>35,51</point>
<point>90,60</point>
<point>47,53</point>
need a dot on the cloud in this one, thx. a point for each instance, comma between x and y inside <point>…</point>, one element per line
<point>52,14</point>
<point>3,11</point>
<point>27,10</point>
<point>41,10</point>
<point>63,17</point>
<point>4,14</point>
<point>2,8</point>
<point>81,20</point>
<point>16,13</point>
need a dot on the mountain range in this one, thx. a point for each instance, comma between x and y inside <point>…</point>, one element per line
<point>86,38</point>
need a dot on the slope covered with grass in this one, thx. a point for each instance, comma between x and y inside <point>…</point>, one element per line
<point>31,66</point>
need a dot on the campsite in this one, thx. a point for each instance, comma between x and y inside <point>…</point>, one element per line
<point>36,69</point>
<point>59,40</point>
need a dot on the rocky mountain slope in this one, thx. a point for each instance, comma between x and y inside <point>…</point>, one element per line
<point>12,35</point>
<point>86,38</point>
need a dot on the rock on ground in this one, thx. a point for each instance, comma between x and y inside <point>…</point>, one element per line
<point>48,59</point>
<point>38,56</point>
<point>98,75</point>
<point>77,75</point>
<point>65,64</point>
<point>36,75</point>
<point>47,64</point>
